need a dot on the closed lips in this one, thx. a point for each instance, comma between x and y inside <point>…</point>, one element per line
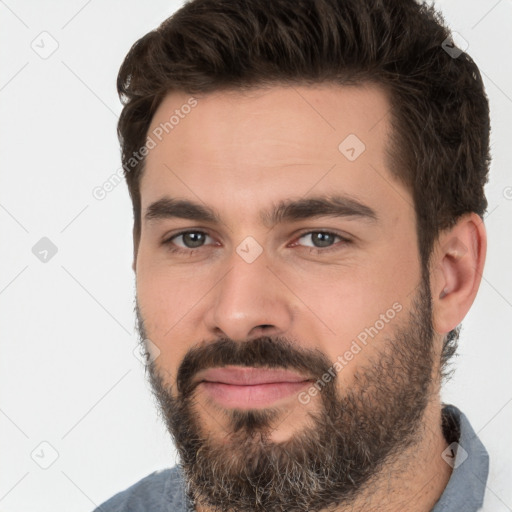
<point>249,376</point>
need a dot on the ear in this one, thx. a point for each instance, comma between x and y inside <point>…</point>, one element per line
<point>457,266</point>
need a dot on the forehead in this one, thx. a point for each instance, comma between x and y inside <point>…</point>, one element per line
<point>238,149</point>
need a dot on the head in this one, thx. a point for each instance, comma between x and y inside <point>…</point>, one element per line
<point>326,161</point>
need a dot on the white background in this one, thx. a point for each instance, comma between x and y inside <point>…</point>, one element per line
<point>68,376</point>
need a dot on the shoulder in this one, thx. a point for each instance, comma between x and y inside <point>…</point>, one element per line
<point>160,491</point>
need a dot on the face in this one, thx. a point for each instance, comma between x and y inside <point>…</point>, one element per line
<point>279,282</point>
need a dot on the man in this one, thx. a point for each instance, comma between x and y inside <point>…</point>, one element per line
<point>307,184</point>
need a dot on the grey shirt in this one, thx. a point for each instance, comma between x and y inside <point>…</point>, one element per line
<point>164,490</point>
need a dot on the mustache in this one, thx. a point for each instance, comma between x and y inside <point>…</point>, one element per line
<point>262,352</point>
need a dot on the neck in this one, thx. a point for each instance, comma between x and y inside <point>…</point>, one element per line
<point>415,479</point>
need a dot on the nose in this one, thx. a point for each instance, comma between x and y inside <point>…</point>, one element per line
<point>249,301</point>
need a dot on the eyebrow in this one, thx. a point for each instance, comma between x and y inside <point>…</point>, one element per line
<point>288,210</point>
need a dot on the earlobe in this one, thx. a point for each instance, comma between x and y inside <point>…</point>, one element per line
<point>460,258</point>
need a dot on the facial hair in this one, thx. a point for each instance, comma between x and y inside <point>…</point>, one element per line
<point>346,443</point>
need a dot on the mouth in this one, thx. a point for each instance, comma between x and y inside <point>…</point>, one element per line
<point>248,387</point>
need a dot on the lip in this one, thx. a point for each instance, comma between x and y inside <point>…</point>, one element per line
<point>249,376</point>
<point>250,388</point>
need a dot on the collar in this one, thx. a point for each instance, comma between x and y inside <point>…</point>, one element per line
<point>470,462</point>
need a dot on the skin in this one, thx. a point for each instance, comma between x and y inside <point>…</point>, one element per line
<point>240,153</point>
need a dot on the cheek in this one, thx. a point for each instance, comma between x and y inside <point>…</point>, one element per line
<point>166,298</point>
<point>167,292</point>
<point>365,302</point>
<point>344,308</point>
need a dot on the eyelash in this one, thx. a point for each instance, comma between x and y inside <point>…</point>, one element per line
<point>314,250</point>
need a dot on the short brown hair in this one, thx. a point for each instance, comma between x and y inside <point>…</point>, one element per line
<point>439,109</point>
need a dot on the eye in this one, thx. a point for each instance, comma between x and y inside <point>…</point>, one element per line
<point>190,240</point>
<point>321,241</point>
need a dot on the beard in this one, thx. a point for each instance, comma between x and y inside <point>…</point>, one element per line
<point>346,443</point>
